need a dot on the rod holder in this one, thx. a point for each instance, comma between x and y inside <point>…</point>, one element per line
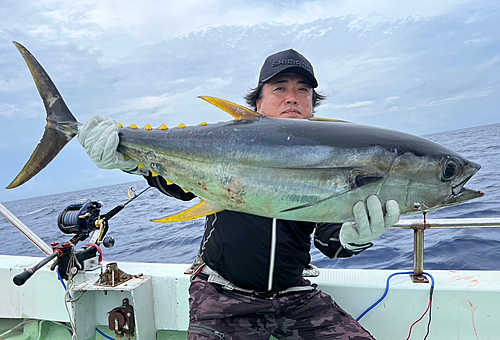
<point>418,254</point>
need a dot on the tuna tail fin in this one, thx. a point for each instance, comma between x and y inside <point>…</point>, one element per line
<point>61,126</point>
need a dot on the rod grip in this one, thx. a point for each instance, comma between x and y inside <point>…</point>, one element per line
<point>21,278</point>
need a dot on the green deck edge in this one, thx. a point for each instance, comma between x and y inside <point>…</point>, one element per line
<point>48,330</point>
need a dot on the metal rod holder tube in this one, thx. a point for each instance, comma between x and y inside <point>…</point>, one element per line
<point>418,255</point>
<point>37,241</point>
<point>418,251</point>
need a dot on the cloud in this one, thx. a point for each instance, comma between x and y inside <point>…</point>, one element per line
<point>359,104</point>
<point>8,110</point>
<point>119,27</point>
<point>392,99</point>
<point>460,97</point>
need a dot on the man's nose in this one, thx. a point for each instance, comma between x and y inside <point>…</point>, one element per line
<point>291,98</point>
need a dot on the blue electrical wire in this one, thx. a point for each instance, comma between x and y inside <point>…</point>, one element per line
<point>61,279</point>
<point>65,288</point>
<point>387,290</point>
<point>104,335</point>
<point>432,278</point>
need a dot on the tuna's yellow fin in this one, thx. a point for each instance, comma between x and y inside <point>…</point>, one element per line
<point>201,209</point>
<point>235,110</point>
<point>328,120</point>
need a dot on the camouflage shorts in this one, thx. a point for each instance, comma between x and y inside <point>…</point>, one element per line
<point>216,313</point>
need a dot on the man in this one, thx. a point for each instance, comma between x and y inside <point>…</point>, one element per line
<point>248,283</point>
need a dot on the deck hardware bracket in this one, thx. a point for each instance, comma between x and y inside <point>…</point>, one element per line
<point>121,320</point>
<point>419,279</point>
<point>113,276</point>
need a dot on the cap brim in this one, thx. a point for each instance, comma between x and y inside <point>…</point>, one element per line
<point>294,69</point>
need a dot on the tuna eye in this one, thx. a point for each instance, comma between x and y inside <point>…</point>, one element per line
<point>450,170</point>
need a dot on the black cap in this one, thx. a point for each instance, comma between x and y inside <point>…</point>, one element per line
<point>287,61</point>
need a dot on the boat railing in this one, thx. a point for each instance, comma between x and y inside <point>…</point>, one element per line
<point>419,227</point>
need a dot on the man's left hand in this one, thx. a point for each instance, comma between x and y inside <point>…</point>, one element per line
<point>370,223</point>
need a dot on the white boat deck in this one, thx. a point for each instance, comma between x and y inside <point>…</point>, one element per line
<point>466,304</point>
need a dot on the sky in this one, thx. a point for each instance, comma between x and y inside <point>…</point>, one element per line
<point>415,66</point>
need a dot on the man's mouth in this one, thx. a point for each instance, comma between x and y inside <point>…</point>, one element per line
<point>291,111</point>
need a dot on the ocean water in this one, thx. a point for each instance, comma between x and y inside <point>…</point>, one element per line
<point>139,240</point>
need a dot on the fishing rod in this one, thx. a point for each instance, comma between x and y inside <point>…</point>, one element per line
<point>81,219</point>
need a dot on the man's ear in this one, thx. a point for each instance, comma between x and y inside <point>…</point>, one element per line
<point>258,102</point>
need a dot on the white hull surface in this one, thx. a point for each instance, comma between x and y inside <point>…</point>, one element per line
<point>466,304</point>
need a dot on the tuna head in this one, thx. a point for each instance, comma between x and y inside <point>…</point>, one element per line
<point>432,181</point>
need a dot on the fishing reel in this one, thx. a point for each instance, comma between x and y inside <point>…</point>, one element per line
<point>79,217</point>
<point>83,218</point>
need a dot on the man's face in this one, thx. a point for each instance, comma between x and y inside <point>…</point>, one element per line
<point>286,95</point>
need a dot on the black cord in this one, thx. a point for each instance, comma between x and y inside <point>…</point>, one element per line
<point>428,310</point>
<point>430,313</point>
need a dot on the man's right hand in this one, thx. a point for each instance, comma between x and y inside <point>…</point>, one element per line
<point>99,137</point>
<point>370,223</point>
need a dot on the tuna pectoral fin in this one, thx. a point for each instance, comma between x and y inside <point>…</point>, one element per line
<point>61,124</point>
<point>201,209</point>
<point>315,203</point>
<point>235,110</point>
<point>360,179</point>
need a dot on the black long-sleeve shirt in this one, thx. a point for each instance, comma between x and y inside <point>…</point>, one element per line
<point>255,252</point>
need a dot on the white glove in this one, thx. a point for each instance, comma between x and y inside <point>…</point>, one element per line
<point>370,224</point>
<point>99,137</point>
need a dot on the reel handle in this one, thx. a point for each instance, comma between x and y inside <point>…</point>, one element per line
<point>21,278</point>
